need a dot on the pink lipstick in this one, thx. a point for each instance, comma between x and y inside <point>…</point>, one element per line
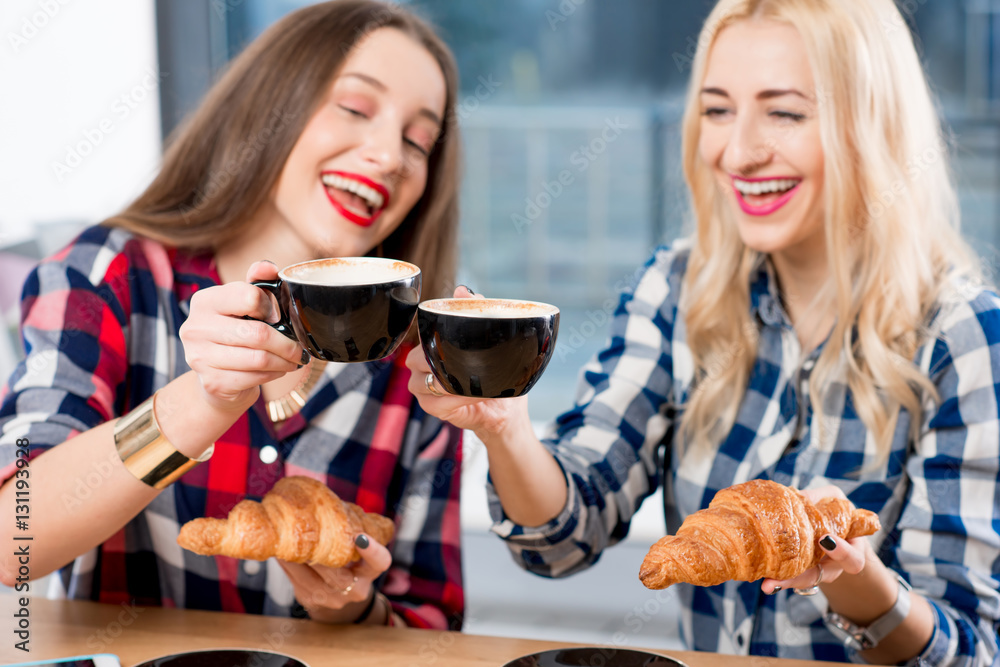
<point>769,207</point>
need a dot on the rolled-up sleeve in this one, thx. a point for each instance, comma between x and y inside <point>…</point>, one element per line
<point>947,539</point>
<point>424,583</point>
<point>73,325</point>
<point>607,444</point>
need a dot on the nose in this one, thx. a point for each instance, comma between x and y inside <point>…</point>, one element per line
<point>749,148</point>
<point>382,147</point>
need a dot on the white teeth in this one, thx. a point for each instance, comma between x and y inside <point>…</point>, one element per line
<point>369,194</point>
<point>764,187</point>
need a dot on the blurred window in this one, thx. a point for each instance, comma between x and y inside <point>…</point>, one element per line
<point>570,113</point>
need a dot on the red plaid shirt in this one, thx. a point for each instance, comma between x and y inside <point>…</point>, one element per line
<point>100,325</point>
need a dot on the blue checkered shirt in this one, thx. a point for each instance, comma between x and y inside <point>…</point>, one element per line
<point>938,498</point>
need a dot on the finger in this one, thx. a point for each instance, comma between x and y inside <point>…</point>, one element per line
<point>829,491</point>
<point>311,590</point>
<point>236,299</point>
<point>807,579</point>
<point>224,342</point>
<point>464,292</point>
<point>416,361</point>
<point>346,584</point>
<point>850,557</point>
<point>262,270</point>
<point>375,558</point>
<point>303,577</point>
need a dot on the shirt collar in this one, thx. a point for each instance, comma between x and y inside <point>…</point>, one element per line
<point>765,301</point>
<point>193,270</point>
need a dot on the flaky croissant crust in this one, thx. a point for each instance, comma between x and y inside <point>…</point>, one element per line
<point>750,531</point>
<point>300,520</point>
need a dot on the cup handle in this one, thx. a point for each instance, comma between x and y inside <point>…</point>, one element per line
<point>283,325</point>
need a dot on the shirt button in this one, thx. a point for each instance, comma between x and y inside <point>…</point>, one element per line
<point>739,639</point>
<point>268,454</point>
<point>251,567</point>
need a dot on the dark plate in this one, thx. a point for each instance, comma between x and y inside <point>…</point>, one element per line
<point>605,656</point>
<point>224,657</point>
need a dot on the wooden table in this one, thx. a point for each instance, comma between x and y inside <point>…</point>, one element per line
<point>136,634</point>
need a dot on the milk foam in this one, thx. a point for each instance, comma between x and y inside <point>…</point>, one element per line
<point>489,308</point>
<point>367,271</point>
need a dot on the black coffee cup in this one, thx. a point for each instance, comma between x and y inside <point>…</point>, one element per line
<point>489,348</point>
<point>346,308</point>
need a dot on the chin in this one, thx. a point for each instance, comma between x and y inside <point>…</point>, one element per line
<point>766,241</point>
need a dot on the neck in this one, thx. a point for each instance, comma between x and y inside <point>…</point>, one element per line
<point>807,294</point>
<point>263,239</point>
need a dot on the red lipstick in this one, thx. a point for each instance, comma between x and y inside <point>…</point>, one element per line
<point>363,221</point>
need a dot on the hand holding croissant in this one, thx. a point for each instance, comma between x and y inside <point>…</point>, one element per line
<point>300,520</point>
<point>750,531</point>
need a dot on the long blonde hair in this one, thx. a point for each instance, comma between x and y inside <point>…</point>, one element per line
<point>223,162</point>
<point>891,220</point>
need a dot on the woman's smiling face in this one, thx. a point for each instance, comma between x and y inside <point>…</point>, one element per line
<point>361,161</point>
<point>760,136</point>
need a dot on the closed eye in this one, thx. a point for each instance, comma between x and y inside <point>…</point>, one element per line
<point>715,112</point>
<point>353,112</point>
<point>416,146</point>
<point>788,115</point>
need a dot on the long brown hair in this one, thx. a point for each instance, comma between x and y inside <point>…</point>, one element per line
<point>222,163</point>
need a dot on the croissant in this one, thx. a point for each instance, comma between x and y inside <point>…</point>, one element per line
<point>750,531</point>
<point>299,520</point>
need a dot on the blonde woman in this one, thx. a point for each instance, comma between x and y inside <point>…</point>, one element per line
<point>822,328</point>
<point>329,136</point>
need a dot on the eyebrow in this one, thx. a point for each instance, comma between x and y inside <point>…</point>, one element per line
<point>375,83</point>
<point>762,95</point>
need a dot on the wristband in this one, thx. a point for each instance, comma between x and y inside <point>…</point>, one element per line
<point>368,608</point>
<point>146,453</point>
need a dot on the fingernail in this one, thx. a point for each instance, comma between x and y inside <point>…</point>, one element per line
<point>304,359</point>
<point>775,590</point>
<point>361,541</point>
<point>828,543</point>
<point>468,289</point>
<point>268,261</point>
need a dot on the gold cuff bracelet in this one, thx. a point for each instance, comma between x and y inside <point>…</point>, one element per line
<point>146,453</point>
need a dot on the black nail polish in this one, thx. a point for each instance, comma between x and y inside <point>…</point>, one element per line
<point>305,358</point>
<point>361,541</point>
<point>469,289</point>
<point>828,543</point>
<point>775,590</point>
